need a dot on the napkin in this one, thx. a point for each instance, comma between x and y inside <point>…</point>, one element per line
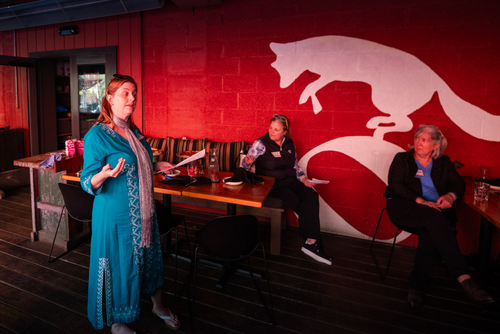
<point>49,162</point>
<point>317,181</point>
<point>242,175</point>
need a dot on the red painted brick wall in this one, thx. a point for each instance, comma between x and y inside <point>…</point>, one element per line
<point>209,75</point>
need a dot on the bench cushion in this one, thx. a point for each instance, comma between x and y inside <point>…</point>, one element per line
<point>159,143</point>
<point>228,154</point>
<point>176,145</point>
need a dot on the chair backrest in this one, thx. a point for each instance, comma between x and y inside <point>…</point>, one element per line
<point>229,238</point>
<point>78,202</point>
<point>165,219</point>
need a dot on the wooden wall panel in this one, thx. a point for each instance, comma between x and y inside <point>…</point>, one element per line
<point>50,37</point>
<point>122,31</point>
<point>90,34</point>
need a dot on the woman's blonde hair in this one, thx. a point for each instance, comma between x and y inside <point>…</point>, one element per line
<point>436,135</point>
<point>106,116</point>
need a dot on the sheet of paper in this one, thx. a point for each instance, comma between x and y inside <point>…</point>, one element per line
<point>316,181</point>
<point>197,156</point>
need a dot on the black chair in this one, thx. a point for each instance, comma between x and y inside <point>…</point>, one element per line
<point>168,222</point>
<point>228,239</point>
<point>399,228</point>
<point>77,203</point>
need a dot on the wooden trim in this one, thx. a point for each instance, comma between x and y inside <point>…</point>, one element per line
<point>49,207</point>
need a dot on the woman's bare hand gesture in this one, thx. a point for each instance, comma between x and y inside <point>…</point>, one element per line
<point>98,179</point>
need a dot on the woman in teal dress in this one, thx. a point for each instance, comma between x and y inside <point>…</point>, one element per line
<point>125,255</point>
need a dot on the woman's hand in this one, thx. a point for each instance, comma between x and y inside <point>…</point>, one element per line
<point>249,160</point>
<point>107,171</point>
<point>446,201</point>
<point>306,182</point>
<point>422,201</point>
<point>162,165</point>
<point>98,179</point>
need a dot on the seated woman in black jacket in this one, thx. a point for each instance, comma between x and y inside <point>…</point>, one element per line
<point>274,155</point>
<point>423,185</point>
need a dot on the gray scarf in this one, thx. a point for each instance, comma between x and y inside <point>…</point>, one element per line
<point>145,169</point>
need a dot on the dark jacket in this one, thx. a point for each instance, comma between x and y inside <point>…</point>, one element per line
<point>404,184</point>
<point>280,165</point>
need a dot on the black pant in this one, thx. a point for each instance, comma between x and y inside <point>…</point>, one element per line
<point>436,238</point>
<point>304,202</point>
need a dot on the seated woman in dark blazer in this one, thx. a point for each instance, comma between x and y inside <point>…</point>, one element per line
<point>274,155</point>
<point>423,185</point>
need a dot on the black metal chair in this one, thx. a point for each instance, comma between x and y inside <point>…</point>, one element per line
<point>399,228</point>
<point>77,203</point>
<point>168,222</point>
<point>228,239</point>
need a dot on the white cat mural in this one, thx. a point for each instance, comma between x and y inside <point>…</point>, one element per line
<point>401,84</point>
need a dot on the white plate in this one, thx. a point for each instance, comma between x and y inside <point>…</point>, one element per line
<point>231,183</point>
<point>175,173</point>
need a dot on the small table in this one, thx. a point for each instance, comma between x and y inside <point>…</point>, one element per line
<point>47,202</point>
<point>490,217</point>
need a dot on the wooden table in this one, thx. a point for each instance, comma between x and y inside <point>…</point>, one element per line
<point>245,194</point>
<point>490,218</point>
<point>47,202</point>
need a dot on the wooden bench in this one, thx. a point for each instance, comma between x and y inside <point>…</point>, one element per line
<point>272,208</point>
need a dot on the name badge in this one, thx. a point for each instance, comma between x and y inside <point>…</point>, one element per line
<point>420,173</point>
<point>276,154</point>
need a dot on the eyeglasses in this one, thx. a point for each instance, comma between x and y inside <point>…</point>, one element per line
<point>281,118</point>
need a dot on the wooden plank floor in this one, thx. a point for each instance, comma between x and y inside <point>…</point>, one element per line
<point>309,297</point>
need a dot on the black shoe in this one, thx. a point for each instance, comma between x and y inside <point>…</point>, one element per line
<point>316,253</point>
<point>475,294</point>
<point>415,298</point>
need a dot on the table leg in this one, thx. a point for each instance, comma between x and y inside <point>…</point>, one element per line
<point>34,212</point>
<point>231,209</point>
<point>167,240</point>
<point>484,247</point>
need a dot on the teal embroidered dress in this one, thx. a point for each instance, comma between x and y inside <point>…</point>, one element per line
<point>121,272</point>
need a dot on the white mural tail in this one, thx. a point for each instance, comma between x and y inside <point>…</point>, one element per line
<point>373,153</point>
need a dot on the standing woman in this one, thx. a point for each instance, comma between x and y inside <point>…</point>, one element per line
<point>125,257</point>
<point>274,155</point>
<point>423,185</point>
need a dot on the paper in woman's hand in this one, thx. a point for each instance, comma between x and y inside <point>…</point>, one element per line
<point>194,157</point>
<point>316,181</point>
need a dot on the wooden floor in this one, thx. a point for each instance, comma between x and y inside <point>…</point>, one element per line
<point>309,297</point>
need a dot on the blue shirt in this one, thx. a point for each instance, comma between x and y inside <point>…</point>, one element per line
<point>429,191</point>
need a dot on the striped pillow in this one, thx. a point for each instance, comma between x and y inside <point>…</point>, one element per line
<point>159,143</point>
<point>228,154</point>
<point>175,145</point>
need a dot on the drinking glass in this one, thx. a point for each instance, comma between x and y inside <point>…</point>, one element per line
<point>481,191</point>
<point>213,165</point>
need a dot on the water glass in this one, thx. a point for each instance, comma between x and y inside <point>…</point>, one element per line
<point>484,172</point>
<point>213,171</point>
<point>481,191</point>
